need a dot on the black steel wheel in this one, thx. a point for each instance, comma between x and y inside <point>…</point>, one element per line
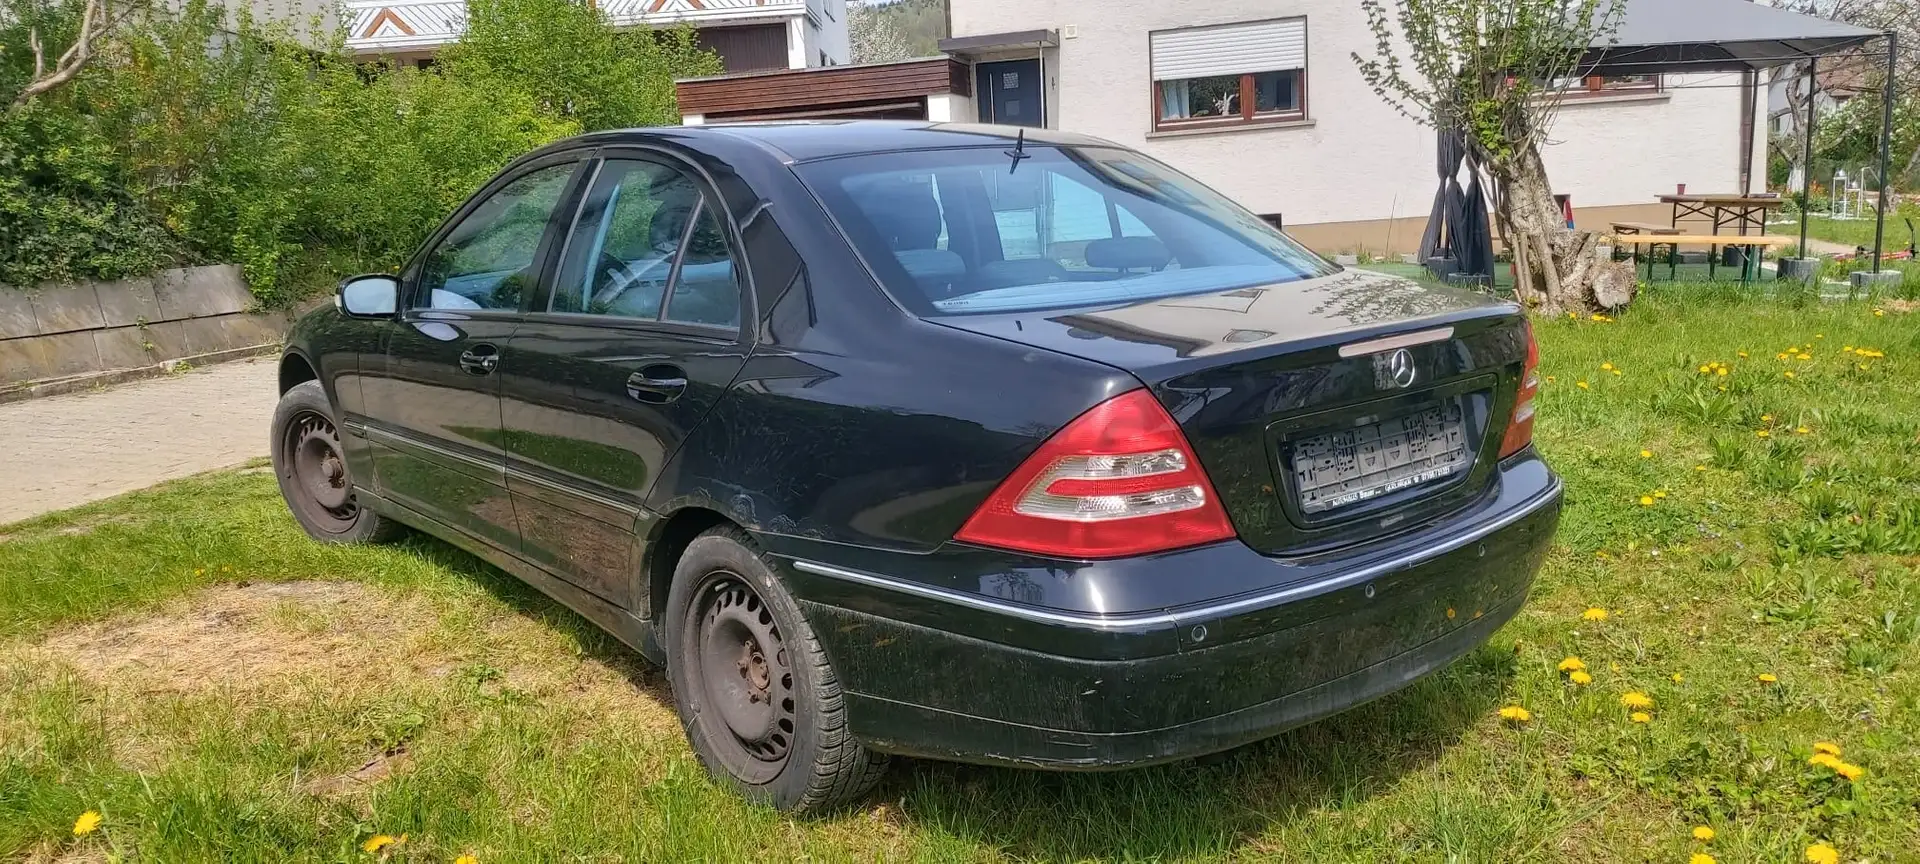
<point>761,705</point>
<point>314,476</point>
<point>745,674</point>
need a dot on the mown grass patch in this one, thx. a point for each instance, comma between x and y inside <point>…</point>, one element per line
<point>185,663</point>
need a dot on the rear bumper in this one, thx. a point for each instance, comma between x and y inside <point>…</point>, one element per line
<point>940,674</point>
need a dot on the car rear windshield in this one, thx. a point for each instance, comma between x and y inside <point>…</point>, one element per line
<point>963,231</point>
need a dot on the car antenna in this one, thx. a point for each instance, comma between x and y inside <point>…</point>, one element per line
<point>1018,152</point>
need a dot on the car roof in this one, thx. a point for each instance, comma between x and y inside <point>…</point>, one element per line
<point>805,140</point>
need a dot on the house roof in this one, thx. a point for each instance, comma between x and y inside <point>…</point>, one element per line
<point>1716,36</point>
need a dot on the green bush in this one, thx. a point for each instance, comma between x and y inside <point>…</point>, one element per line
<point>207,136</point>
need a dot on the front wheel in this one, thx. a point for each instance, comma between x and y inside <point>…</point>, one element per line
<point>312,470</point>
<point>757,697</point>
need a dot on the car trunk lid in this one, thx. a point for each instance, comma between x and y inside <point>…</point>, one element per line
<point>1326,412</point>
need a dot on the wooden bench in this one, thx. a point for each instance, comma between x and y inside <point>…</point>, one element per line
<point>1643,228</point>
<point>1675,241</point>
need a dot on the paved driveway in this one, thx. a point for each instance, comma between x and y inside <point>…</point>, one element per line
<point>62,451</point>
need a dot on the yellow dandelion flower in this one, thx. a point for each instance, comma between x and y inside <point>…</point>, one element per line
<point>1803,430</point>
<point>1581,384</point>
<point>1640,717</point>
<point>1572,664</point>
<point>1720,371</point>
<point>1825,759</point>
<point>1766,418</point>
<point>1821,853</point>
<point>1636,699</point>
<point>1677,677</point>
<point>1803,356</point>
<point>1701,858</point>
<point>378,842</point>
<point>1819,335</point>
<point>1846,349</point>
<point>1579,677</point>
<point>1827,747</point>
<point>1607,366</point>
<point>1743,354</point>
<point>1768,678</point>
<point>1660,493</point>
<point>1702,833</point>
<point>1789,374</point>
<point>1705,369</point>
<point>88,823</point>
<point>1618,372</point>
<point>1595,614</point>
<point>1646,500</point>
<point>1699,467</point>
<point>1781,356</point>
<point>1451,613</point>
<point>1879,313</point>
<point>1646,454</point>
<point>466,859</point>
<point>1515,714</point>
<point>1762,434</point>
<point>1849,770</point>
<point>199,571</point>
<point>1863,367</point>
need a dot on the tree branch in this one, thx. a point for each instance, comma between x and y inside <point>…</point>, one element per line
<point>70,61</point>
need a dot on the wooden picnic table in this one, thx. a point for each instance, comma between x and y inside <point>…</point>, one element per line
<point>1739,211</point>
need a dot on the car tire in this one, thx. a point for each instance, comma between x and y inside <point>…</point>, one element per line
<point>757,697</point>
<point>312,470</point>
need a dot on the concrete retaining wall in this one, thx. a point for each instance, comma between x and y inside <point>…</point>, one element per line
<point>75,332</point>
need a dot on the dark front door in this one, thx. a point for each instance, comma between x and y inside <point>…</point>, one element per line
<point>634,344</point>
<point>434,424</point>
<point>1010,92</point>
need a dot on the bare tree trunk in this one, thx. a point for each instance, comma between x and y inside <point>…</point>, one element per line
<point>1555,268</point>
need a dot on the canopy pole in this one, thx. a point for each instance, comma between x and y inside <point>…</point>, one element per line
<point>1886,149</point>
<point>1806,157</point>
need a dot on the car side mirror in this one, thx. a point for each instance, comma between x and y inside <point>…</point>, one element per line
<point>374,295</point>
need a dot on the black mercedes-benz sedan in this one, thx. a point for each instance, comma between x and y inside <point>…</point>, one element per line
<point>960,442</point>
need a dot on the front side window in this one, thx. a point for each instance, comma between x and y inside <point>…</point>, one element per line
<point>647,245</point>
<point>1229,74</point>
<point>487,260</point>
<point>971,231</point>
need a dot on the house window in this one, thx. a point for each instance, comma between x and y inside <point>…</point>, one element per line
<point>1607,85</point>
<point>1229,74</point>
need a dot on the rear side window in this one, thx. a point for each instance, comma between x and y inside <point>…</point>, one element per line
<point>648,245</point>
<point>975,230</point>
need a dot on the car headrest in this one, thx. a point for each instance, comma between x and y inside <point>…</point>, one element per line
<point>1128,253</point>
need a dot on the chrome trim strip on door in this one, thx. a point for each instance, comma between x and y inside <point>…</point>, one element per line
<point>1404,340</point>
<point>1192,615</point>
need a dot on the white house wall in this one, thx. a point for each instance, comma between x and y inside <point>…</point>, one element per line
<point>1355,158</point>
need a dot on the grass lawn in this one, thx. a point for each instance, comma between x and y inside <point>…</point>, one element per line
<point>218,688</point>
<point>1855,232</point>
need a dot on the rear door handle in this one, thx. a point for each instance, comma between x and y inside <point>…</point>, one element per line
<point>658,384</point>
<point>480,359</point>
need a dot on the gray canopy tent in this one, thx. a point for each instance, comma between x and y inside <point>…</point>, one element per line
<point>1672,36</point>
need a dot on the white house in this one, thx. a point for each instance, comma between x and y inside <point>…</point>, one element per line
<point>749,35</point>
<point>1262,100</point>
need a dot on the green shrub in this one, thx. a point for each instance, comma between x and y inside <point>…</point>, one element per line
<point>205,135</point>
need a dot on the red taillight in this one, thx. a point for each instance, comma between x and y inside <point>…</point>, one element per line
<point>1520,427</point>
<point>1118,480</point>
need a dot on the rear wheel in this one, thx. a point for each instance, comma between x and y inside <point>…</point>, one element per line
<point>312,469</point>
<point>759,701</point>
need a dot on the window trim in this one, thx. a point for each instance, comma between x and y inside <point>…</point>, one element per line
<point>1248,116</point>
<point>1595,87</point>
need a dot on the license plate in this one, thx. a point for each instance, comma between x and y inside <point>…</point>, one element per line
<point>1340,469</point>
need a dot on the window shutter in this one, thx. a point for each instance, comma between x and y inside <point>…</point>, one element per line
<point>1229,49</point>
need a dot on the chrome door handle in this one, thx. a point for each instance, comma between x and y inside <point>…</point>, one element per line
<point>657,385</point>
<point>480,359</point>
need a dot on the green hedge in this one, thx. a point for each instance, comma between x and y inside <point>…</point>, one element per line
<point>205,136</point>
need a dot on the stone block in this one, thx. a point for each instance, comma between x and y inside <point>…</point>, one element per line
<point>1799,269</point>
<point>65,308</point>
<point>1879,279</point>
<point>123,348</point>
<point>50,356</point>
<point>199,292</point>
<point>169,340</point>
<point>16,314</point>
<point>128,302</point>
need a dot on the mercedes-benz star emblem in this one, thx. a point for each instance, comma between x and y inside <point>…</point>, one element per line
<point>1400,369</point>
